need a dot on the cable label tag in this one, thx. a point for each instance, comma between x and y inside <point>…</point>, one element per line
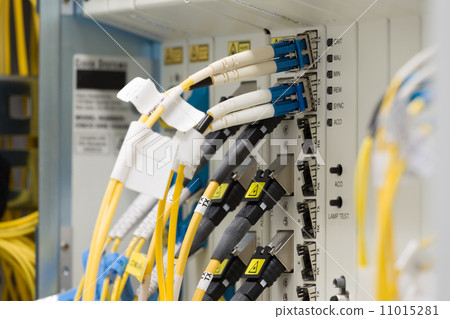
<point>202,205</point>
<point>142,93</point>
<point>137,264</point>
<point>180,114</point>
<point>205,280</point>
<point>119,265</point>
<point>145,97</point>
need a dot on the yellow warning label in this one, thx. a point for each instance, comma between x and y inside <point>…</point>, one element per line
<point>136,265</point>
<point>199,52</point>
<point>238,46</point>
<point>277,39</point>
<point>220,191</point>
<point>221,267</point>
<point>173,55</point>
<point>255,189</point>
<point>254,266</point>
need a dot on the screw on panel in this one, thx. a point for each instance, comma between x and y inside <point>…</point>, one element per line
<point>285,282</point>
<point>285,129</point>
<point>66,271</point>
<point>285,221</point>
<point>285,205</point>
<point>285,297</point>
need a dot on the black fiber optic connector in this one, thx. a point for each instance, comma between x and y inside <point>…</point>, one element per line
<point>213,141</point>
<point>232,268</point>
<point>243,146</point>
<point>267,188</point>
<point>266,266</point>
<point>225,200</point>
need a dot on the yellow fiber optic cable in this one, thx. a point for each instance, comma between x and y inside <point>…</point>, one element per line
<point>22,59</point>
<point>173,231</point>
<point>96,246</point>
<point>79,289</point>
<point>3,42</point>
<point>29,219</point>
<point>127,254</point>
<point>34,41</point>
<point>116,244</point>
<point>211,268</point>
<point>96,252</point>
<point>386,273</point>
<point>190,234</point>
<point>159,242</point>
<point>151,248</point>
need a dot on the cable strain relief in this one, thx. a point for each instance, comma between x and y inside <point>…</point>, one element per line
<point>204,123</point>
<point>231,237</point>
<point>203,83</point>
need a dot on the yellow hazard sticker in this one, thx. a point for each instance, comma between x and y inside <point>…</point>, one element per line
<point>254,267</point>
<point>221,267</point>
<point>277,39</point>
<point>136,265</point>
<point>238,46</point>
<point>255,189</point>
<point>199,52</point>
<point>220,191</point>
<point>173,55</point>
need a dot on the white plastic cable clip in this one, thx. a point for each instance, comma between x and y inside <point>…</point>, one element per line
<point>179,113</point>
<point>142,93</point>
<point>145,160</point>
<point>189,143</point>
<point>145,97</point>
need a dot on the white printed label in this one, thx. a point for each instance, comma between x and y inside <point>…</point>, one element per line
<point>100,120</point>
<point>202,205</point>
<point>205,280</point>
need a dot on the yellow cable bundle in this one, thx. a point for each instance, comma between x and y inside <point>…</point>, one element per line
<point>17,257</point>
<point>159,242</point>
<point>115,292</point>
<point>173,232</point>
<point>22,59</point>
<point>386,277</point>
<point>361,185</point>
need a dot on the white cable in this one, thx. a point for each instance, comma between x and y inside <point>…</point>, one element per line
<point>147,226</point>
<point>243,59</point>
<point>240,102</point>
<point>135,212</point>
<point>415,62</point>
<point>252,114</point>
<point>234,61</point>
<point>246,73</point>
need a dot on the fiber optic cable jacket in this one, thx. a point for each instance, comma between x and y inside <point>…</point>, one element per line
<point>17,257</point>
